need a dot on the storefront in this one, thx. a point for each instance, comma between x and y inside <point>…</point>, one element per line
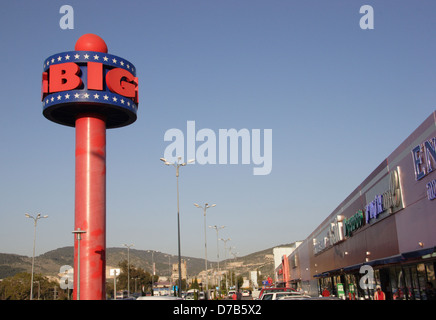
<point>382,234</point>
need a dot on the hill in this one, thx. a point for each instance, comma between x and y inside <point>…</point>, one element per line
<point>50,262</point>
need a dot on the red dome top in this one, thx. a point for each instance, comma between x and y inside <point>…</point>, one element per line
<point>91,42</point>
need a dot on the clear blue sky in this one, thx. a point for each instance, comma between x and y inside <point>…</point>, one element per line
<point>338,99</point>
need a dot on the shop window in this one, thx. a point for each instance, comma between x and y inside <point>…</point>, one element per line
<point>408,283</point>
<point>397,283</point>
<point>415,284</point>
<point>430,274</point>
<point>431,282</point>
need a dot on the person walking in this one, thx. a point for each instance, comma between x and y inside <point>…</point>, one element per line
<point>379,294</point>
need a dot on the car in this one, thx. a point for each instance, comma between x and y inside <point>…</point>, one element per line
<point>230,293</point>
<point>274,289</point>
<point>282,295</point>
<point>245,293</point>
<point>202,295</point>
<point>306,297</point>
<point>159,298</point>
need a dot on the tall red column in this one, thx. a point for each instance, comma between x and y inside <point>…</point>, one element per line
<point>90,206</point>
<point>90,194</point>
<point>91,90</point>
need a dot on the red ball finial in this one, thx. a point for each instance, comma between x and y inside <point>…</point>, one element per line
<point>91,42</point>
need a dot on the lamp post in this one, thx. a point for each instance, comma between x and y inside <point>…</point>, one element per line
<point>206,206</point>
<point>225,255</point>
<point>35,219</point>
<point>177,165</point>
<point>234,254</point>
<point>128,268</point>
<point>153,272</point>
<point>78,234</point>
<point>217,247</point>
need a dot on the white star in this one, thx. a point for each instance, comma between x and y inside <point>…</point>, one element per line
<point>96,96</point>
<point>86,56</point>
<point>52,60</point>
<point>128,103</point>
<point>128,66</point>
<point>122,63</point>
<point>114,60</point>
<point>67,96</point>
<point>46,101</point>
<point>122,101</point>
<point>105,97</point>
<point>76,95</point>
<point>96,57</point>
<point>48,62</point>
<point>67,57</point>
<point>52,99</point>
<point>105,58</point>
<point>86,96</point>
<point>114,98</point>
<point>59,58</point>
<point>76,56</point>
<point>59,97</point>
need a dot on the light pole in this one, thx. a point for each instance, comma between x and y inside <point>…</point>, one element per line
<point>217,247</point>
<point>153,272</point>
<point>170,280</point>
<point>206,206</point>
<point>225,255</point>
<point>128,268</point>
<point>177,165</point>
<point>78,234</point>
<point>35,219</point>
<point>234,254</point>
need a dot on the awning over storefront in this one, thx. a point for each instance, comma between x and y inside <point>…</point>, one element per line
<point>399,258</point>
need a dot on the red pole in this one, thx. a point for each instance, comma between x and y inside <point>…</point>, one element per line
<point>90,205</point>
<point>90,90</point>
<point>90,193</point>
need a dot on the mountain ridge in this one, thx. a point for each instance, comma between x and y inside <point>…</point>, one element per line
<point>50,262</point>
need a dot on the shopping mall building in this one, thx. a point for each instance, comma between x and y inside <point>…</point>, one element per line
<point>383,233</point>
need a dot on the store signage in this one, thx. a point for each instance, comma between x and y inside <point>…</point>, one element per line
<point>76,80</point>
<point>390,200</point>
<point>431,190</point>
<point>353,223</point>
<point>424,158</point>
<point>330,235</point>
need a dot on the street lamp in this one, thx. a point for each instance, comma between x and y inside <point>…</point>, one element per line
<point>153,272</point>
<point>78,234</point>
<point>234,254</point>
<point>217,247</point>
<point>35,219</point>
<point>206,206</point>
<point>225,254</point>
<point>128,268</point>
<point>177,165</point>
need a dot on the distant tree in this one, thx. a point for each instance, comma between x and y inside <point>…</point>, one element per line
<point>143,278</point>
<point>17,287</point>
<point>240,281</point>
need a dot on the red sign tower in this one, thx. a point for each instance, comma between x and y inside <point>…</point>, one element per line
<point>90,90</point>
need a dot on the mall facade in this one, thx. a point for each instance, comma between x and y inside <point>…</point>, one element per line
<point>383,233</point>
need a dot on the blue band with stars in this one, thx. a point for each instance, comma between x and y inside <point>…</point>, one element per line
<point>89,56</point>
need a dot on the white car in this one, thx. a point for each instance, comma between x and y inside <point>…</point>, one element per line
<point>245,293</point>
<point>159,298</point>
<point>280,295</point>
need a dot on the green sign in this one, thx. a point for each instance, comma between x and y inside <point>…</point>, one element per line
<point>341,292</point>
<point>353,223</point>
